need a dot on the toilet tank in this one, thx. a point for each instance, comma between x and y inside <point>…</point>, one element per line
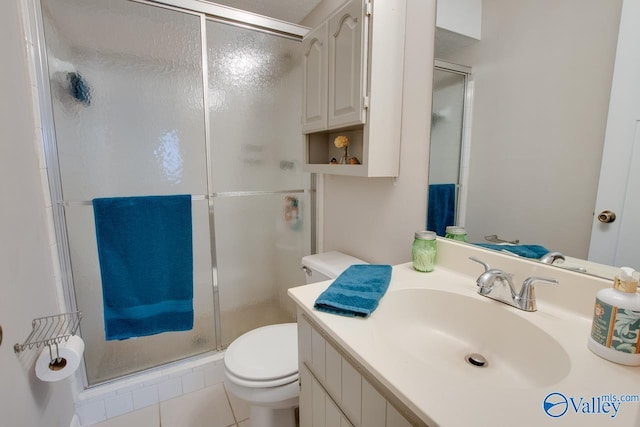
<point>327,265</point>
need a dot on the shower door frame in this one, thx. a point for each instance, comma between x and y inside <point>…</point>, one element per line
<point>462,187</point>
<point>206,12</point>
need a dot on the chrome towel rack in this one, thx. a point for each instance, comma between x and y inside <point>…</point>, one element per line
<point>494,239</point>
<point>51,330</point>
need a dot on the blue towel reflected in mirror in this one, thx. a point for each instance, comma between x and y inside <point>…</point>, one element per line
<point>527,251</point>
<point>441,207</point>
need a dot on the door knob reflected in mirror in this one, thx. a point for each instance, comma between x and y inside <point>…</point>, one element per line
<point>606,216</point>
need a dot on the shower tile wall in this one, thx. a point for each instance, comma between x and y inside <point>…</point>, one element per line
<point>112,400</point>
<point>212,407</point>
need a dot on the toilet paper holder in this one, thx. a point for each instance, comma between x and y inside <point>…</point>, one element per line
<point>51,331</point>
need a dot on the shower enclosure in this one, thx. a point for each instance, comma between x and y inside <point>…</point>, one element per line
<point>450,126</point>
<point>148,99</point>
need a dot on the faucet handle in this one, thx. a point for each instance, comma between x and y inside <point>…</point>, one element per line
<point>486,266</point>
<point>527,297</point>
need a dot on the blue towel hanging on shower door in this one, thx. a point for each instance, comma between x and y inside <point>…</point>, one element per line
<point>145,251</point>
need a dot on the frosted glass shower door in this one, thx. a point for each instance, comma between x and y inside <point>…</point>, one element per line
<point>128,102</point>
<point>448,148</point>
<point>261,197</point>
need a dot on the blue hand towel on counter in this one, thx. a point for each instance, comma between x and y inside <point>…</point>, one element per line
<point>356,292</point>
<point>441,207</point>
<point>145,251</point>
<point>527,251</point>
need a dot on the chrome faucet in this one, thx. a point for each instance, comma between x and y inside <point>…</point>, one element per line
<point>551,257</point>
<point>498,285</point>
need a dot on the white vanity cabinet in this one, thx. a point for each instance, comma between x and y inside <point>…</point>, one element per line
<point>353,75</point>
<point>333,393</point>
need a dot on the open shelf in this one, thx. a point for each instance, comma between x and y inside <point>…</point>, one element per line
<point>320,149</point>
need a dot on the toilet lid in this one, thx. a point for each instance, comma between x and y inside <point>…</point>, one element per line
<point>268,354</point>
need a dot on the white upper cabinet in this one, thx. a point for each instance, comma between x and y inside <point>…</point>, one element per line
<point>334,60</point>
<point>353,76</point>
<point>314,103</point>
<point>346,66</point>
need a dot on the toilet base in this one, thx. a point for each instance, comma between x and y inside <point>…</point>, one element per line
<point>261,416</point>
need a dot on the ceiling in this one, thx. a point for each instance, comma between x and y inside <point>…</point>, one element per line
<point>292,11</point>
<point>84,27</point>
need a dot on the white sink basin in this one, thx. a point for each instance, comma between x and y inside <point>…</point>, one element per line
<point>438,329</point>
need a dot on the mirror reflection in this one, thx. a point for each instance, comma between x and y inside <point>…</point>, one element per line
<point>449,149</point>
<point>530,151</point>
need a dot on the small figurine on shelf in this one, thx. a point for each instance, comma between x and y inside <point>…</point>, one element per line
<point>333,161</point>
<point>354,161</point>
<point>342,141</point>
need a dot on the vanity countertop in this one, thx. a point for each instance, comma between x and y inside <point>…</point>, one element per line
<point>441,397</point>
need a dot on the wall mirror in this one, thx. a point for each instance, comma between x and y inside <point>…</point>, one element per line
<point>542,79</point>
<point>449,149</point>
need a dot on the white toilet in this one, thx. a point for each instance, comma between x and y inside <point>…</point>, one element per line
<point>261,366</point>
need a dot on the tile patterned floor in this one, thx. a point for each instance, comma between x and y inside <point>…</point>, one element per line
<point>208,407</point>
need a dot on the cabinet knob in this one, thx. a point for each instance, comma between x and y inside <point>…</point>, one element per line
<point>606,216</point>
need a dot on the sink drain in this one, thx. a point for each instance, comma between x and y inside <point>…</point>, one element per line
<point>476,360</point>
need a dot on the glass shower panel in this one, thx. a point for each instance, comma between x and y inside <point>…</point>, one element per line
<point>254,111</point>
<point>446,127</point>
<point>128,102</point>
<point>254,105</point>
<point>106,360</point>
<point>262,243</point>
<point>128,98</point>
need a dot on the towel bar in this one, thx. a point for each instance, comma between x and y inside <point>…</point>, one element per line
<point>494,239</point>
<point>198,197</point>
<point>90,202</point>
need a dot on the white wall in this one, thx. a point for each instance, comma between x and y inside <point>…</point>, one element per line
<point>460,16</point>
<point>375,218</point>
<point>320,12</point>
<point>26,271</point>
<point>542,75</point>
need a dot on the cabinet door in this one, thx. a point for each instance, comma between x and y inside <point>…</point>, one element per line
<point>305,410</point>
<point>314,102</point>
<point>317,408</point>
<point>347,65</point>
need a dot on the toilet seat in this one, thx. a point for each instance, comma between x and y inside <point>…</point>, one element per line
<point>262,384</point>
<point>264,357</point>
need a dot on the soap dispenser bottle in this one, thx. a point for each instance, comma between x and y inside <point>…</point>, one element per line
<point>616,321</point>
